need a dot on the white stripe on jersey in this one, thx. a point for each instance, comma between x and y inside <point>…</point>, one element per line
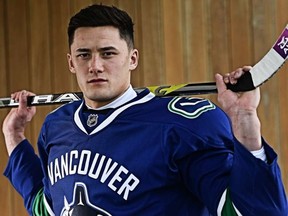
<point>48,208</point>
<point>108,120</point>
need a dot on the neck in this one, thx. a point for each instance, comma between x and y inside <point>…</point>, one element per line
<point>128,95</point>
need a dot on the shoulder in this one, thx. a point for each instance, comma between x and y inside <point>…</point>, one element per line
<point>195,116</point>
<point>64,111</point>
<point>184,109</point>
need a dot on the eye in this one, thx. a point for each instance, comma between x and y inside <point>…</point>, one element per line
<point>108,54</point>
<point>83,55</point>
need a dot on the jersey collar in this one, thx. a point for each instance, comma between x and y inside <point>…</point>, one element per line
<point>128,99</point>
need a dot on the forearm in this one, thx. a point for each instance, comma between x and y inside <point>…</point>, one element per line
<point>12,140</point>
<point>15,122</point>
<point>247,129</point>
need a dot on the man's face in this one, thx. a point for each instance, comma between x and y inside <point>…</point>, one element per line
<point>102,63</point>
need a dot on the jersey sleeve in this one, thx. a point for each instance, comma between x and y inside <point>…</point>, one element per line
<point>25,173</point>
<point>256,187</point>
<point>235,182</point>
<point>223,174</point>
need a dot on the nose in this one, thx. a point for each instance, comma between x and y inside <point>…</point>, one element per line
<point>96,65</point>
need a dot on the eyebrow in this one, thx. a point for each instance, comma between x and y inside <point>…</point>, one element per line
<point>107,48</point>
<point>83,50</point>
<point>100,49</point>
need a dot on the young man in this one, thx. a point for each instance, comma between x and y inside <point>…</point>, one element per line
<point>119,152</point>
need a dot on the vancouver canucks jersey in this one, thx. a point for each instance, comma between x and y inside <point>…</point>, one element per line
<point>151,156</point>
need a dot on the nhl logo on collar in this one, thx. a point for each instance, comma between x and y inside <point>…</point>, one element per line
<point>92,120</point>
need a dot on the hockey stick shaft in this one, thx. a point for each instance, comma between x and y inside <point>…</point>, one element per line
<point>161,91</point>
<point>188,89</point>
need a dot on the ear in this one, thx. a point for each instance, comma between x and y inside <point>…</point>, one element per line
<point>70,63</point>
<point>134,59</point>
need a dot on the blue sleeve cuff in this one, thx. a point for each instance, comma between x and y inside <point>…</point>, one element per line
<point>25,173</point>
<point>261,181</point>
<point>21,147</point>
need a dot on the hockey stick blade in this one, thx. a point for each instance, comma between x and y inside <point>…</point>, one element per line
<point>266,67</point>
<point>259,74</point>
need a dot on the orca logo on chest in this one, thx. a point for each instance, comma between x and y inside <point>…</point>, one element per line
<point>81,205</point>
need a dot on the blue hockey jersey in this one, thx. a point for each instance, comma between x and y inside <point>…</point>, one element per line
<point>149,156</point>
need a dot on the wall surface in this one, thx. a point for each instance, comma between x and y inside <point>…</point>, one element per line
<point>179,41</point>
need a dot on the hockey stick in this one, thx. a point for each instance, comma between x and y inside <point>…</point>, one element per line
<point>259,74</point>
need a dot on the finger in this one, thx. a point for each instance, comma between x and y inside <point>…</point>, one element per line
<point>15,96</point>
<point>233,76</point>
<point>220,83</point>
<point>226,78</point>
<point>230,78</point>
<point>23,99</point>
<point>246,68</point>
<point>238,73</point>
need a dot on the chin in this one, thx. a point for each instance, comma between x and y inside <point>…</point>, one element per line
<point>100,97</point>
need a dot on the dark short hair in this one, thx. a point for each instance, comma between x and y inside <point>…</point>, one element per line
<point>101,15</point>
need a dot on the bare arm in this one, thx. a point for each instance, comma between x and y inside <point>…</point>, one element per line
<point>15,122</point>
<point>241,109</point>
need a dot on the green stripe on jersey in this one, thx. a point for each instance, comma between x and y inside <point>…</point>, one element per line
<point>39,208</point>
<point>228,208</point>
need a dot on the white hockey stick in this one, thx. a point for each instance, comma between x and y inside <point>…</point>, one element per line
<point>259,74</point>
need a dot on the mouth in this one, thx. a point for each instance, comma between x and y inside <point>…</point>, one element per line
<point>97,81</point>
